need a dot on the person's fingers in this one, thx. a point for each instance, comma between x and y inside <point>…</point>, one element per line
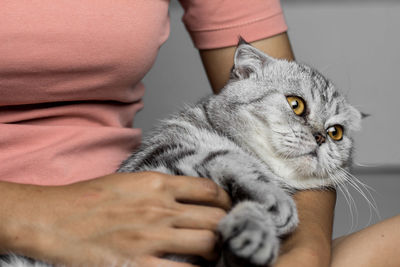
<point>157,262</point>
<point>199,190</point>
<point>198,217</point>
<point>189,242</point>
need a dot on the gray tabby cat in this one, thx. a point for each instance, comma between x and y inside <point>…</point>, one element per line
<point>275,128</point>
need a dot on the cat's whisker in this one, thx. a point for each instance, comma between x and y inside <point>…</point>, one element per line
<point>291,128</point>
<point>282,133</point>
<point>352,182</point>
<point>356,217</point>
<point>366,165</point>
<point>361,183</point>
<point>285,154</point>
<point>346,194</point>
<point>350,204</point>
<point>370,205</point>
<point>359,186</point>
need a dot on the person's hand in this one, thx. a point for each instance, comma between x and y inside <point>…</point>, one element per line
<point>124,218</point>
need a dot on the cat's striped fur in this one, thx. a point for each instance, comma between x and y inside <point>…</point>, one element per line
<point>249,141</point>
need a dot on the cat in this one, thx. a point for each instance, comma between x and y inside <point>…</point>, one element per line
<point>277,127</point>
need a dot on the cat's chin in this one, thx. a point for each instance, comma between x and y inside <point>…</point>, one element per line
<point>301,172</point>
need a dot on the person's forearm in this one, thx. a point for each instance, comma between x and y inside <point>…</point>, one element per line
<point>116,219</point>
<point>13,215</point>
<point>218,62</point>
<point>311,241</point>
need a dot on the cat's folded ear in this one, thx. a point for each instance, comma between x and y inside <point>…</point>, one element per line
<point>248,61</point>
<point>355,117</point>
<point>364,115</point>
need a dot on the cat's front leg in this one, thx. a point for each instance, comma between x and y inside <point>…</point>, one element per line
<point>279,205</point>
<point>262,211</point>
<point>244,178</point>
<point>251,231</point>
<point>249,236</point>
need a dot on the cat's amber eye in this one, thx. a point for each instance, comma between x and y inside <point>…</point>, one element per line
<point>335,132</point>
<point>297,104</point>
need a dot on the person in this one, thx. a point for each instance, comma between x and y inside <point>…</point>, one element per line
<point>70,76</point>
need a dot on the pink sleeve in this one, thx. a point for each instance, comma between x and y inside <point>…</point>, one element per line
<point>218,23</point>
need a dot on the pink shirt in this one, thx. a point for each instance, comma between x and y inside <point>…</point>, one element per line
<point>70,75</point>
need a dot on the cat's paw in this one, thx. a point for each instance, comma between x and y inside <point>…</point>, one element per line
<point>248,241</point>
<point>283,212</point>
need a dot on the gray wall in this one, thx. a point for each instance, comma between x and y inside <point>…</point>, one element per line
<point>357,46</point>
<point>355,43</point>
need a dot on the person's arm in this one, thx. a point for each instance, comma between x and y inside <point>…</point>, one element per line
<point>310,244</point>
<point>311,241</point>
<point>218,62</point>
<point>118,219</point>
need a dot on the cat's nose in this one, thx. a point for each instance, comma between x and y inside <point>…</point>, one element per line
<point>319,138</point>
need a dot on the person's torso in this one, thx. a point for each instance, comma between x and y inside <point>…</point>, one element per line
<point>70,76</point>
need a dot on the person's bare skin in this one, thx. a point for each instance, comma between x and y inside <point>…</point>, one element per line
<point>130,218</point>
<point>376,245</point>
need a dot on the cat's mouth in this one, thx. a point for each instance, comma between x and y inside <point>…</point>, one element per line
<point>313,153</point>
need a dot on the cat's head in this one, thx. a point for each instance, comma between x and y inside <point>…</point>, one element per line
<point>289,115</point>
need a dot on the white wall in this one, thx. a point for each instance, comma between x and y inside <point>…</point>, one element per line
<point>358,47</point>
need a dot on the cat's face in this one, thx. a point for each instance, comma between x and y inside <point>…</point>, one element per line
<point>292,118</point>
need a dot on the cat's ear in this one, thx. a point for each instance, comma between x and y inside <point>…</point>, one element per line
<point>248,61</point>
<point>364,115</point>
<point>355,117</point>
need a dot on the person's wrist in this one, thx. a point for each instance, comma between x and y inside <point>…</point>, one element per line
<point>304,256</point>
<point>22,220</point>
<point>314,251</point>
<point>313,257</point>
